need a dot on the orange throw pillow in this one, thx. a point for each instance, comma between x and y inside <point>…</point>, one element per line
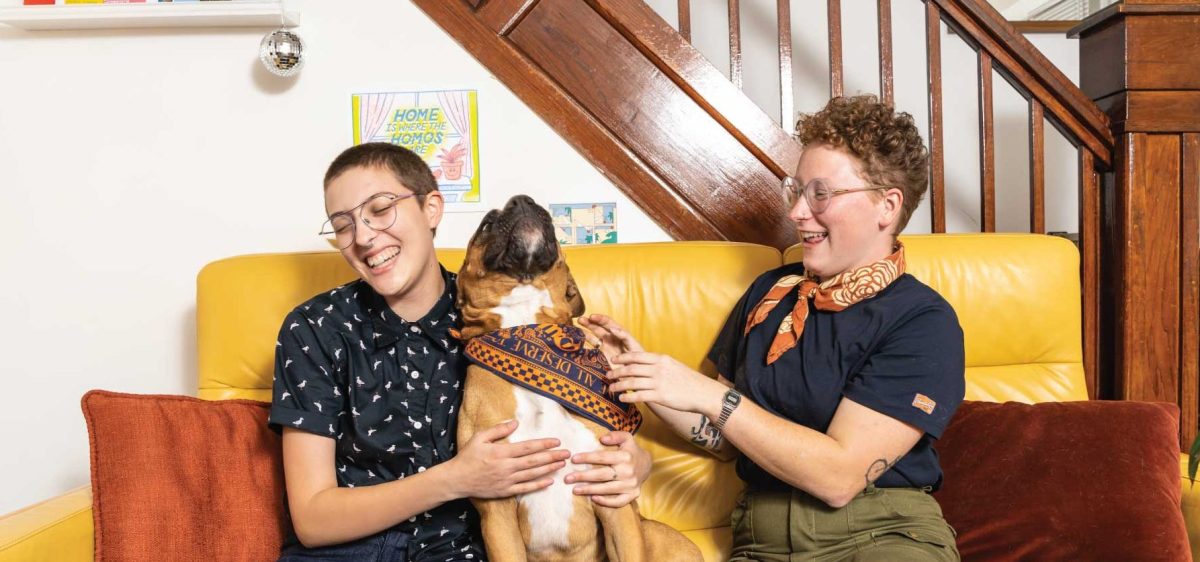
<point>178,478</point>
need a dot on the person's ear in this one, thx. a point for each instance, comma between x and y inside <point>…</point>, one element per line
<point>890,205</point>
<point>433,208</point>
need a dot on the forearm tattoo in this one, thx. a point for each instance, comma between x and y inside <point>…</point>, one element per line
<point>879,467</point>
<point>706,435</point>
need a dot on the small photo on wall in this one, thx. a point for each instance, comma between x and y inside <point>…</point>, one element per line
<point>585,223</point>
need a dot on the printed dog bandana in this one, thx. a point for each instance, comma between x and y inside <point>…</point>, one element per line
<point>834,294</point>
<point>551,360</point>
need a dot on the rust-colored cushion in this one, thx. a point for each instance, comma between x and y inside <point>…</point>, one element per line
<point>1089,480</point>
<point>177,478</point>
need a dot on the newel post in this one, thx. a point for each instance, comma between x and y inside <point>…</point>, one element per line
<point>1138,62</point>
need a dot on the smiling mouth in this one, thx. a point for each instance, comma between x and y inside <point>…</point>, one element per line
<point>383,257</point>
<point>813,237</point>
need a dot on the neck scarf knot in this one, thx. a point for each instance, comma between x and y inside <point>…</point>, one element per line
<point>834,295</point>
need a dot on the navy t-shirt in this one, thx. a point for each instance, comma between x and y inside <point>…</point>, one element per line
<point>899,353</point>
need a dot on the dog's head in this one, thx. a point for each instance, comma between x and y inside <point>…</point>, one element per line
<point>514,256</point>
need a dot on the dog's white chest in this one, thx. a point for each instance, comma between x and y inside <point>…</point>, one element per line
<point>521,305</point>
<point>549,510</point>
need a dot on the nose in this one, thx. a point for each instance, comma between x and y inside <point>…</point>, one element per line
<point>364,235</point>
<point>521,201</point>
<point>800,210</point>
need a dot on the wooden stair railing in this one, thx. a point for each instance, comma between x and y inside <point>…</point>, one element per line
<point>703,161</point>
<point>630,94</point>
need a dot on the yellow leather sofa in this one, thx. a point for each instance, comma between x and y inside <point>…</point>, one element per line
<point>1017,297</point>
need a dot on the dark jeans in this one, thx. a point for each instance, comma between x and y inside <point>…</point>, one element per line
<point>391,545</point>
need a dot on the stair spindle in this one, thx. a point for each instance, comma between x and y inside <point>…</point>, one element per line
<point>835,48</point>
<point>885,51</point>
<point>987,146</point>
<point>787,115</point>
<point>933,47</point>
<point>1037,169</point>
<point>735,44</point>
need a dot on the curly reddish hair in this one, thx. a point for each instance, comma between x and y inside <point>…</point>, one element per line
<point>885,141</point>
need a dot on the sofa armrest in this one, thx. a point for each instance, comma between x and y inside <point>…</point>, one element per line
<point>58,529</point>
<point>1191,506</point>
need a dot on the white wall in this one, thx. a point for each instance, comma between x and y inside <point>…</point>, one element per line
<point>860,55</point>
<point>130,159</point>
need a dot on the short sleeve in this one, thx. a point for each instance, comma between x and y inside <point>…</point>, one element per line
<point>916,374</point>
<point>304,394</point>
<point>727,348</point>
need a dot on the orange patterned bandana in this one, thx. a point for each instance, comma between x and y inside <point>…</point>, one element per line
<point>834,294</point>
<point>552,360</point>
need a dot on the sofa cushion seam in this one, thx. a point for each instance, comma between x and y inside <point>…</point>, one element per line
<point>44,528</point>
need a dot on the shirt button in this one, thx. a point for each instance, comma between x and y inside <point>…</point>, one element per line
<point>414,329</point>
<point>417,424</point>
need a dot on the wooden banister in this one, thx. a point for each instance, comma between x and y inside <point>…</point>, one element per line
<point>687,68</point>
<point>1023,66</point>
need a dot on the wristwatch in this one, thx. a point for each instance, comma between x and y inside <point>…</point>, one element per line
<point>728,404</point>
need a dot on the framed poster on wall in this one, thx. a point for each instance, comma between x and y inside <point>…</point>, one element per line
<point>441,126</point>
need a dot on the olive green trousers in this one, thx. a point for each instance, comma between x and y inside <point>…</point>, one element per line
<point>880,524</point>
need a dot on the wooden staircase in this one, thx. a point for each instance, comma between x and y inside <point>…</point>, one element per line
<point>677,136</point>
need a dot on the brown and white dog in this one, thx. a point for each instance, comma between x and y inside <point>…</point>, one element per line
<point>514,275</point>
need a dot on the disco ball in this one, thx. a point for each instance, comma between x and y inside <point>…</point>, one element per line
<point>282,52</point>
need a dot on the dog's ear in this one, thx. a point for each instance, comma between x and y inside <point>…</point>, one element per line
<point>574,298</point>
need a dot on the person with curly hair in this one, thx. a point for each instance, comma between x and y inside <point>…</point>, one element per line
<point>835,375</point>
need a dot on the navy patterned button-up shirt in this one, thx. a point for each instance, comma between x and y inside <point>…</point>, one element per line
<point>385,388</point>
